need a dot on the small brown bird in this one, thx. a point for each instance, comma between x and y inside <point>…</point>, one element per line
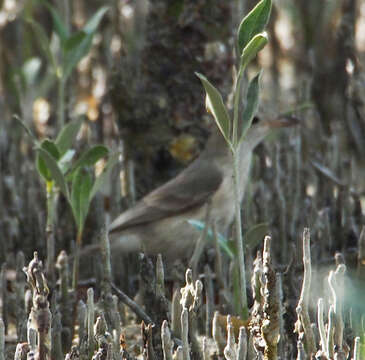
<point>158,222</point>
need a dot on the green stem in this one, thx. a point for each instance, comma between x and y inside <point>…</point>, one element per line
<point>75,273</point>
<point>61,101</point>
<point>51,205</point>
<point>237,96</point>
<point>236,182</point>
<point>66,14</point>
<point>239,238</point>
<point>236,288</point>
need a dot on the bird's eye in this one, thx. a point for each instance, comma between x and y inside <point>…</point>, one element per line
<point>255,120</point>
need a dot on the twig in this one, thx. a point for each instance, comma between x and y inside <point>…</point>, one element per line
<point>125,299</point>
<point>209,296</point>
<point>302,308</point>
<point>331,332</point>
<point>230,351</point>
<point>185,333</point>
<point>167,343</point>
<point>90,321</point>
<point>176,313</point>
<point>218,336</point>
<point>321,328</point>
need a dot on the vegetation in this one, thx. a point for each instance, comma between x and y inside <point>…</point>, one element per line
<point>119,82</point>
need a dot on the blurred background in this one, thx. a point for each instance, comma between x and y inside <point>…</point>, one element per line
<point>136,89</point>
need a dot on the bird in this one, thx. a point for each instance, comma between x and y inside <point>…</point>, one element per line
<point>158,223</point>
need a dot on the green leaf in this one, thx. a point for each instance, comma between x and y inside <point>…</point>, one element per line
<point>65,162</point>
<point>252,102</point>
<point>30,70</point>
<point>27,130</point>
<point>52,150</point>
<point>90,157</point>
<point>55,171</point>
<point>68,135</point>
<point>222,241</point>
<point>42,168</point>
<point>253,23</point>
<point>75,49</point>
<point>255,235</point>
<point>99,181</point>
<point>94,22</point>
<point>79,44</point>
<point>256,44</point>
<point>80,197</point>
<point>58,24</point>
<point>75,40</point>
<point>51,147</point>
<point>43,41</point>
<point>214,104</point>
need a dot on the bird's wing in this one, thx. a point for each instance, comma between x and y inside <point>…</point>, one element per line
<point>189,189</point>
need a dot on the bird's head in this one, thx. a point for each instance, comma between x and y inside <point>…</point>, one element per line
<point>260,128</point>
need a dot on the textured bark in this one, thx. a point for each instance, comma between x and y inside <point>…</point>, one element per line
<point>155,92</point>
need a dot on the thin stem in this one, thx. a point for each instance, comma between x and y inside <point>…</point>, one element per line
<point>61,101</point>
<point>235,153</point>
<point>125,299</point>
<point>66,14</point>
<point>303,304</point>
<point>90,321</point>
<point>2,339</point>
<point>239,238</point>
<point>105,256</point>
<point>237,95</point>
<point>75,274</point>
<point>321,327</point>
<point>51,204</point>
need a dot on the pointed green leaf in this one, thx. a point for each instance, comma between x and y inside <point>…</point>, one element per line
<point>90,157</point>
<point>94,22</point>
<point>99,181</point>
<point>253,23</point>
<point>252,103</point>
<point>27,130</point>
<point>257,43</point>
<point>81,46</point>
<point>80,197</point>
<point>54,170</point>
<point>51,147</point>
<point>216,107</point>
<point>42,168</point>
<point>68,135</point>
<point>43,40</point>
<point>255,235</point>
<point>58,24</point>
<point>75,40</point>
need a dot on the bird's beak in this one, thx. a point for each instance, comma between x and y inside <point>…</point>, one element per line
<point>283,121</point>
